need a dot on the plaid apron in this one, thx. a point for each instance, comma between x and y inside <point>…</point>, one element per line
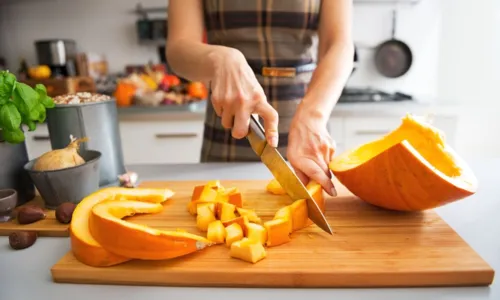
<point>269,33</point>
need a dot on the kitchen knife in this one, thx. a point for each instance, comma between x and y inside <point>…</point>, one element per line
<point>284,173</point>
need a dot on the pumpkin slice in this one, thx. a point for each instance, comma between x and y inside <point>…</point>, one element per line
<point>250,214</point>
<point>247,250</point>
<point>277,232</point>
<point>83,245</point>
<point>316,191</point>
<point>205,215</point>
<point>234,233</point>
<point>135,240</point>
<point>410,169</point>
<point>274,187</point>
<point>216,232</point>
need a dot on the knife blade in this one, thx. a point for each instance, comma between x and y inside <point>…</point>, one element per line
<point>283,173</point>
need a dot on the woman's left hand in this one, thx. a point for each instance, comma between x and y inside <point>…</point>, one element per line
<point>310,150</point>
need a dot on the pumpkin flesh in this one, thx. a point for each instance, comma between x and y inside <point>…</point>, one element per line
<point>83,245</point>
<point>135,240</point>
<point>411,168</point>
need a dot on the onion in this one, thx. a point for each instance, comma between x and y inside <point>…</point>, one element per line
<point>61,158</point>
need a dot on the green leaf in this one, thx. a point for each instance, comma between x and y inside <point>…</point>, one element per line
<point>10,118</point>
<point>44,98</point>
<point>42,112</point>
<point>7,83</point>
<point>15,136</point>
<point>25,98</point>
<point>31,124</point>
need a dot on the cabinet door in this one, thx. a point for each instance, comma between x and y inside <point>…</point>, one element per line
<point>38,141</point>
<point>159,142</point>
<point>336,130</point>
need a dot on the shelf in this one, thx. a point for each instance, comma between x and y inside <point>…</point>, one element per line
<point>394,2</point>
<point>143,11</point>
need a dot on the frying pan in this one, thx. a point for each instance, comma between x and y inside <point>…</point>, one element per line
<point>393,58</point>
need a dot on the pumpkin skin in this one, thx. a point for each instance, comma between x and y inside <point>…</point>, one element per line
<point>409,169</point>
<point>137,241</point>
<point>83,245</point>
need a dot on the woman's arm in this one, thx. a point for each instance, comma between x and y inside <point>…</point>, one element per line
<point>186,53</point>
<point>235,91</point>
<point>335,60</point>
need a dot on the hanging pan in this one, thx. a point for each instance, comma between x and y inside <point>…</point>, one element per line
<point>393,58</point>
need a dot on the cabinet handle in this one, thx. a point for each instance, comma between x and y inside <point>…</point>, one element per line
<point>175,135</point>
<point>369,132</point>
<point>41,138</point>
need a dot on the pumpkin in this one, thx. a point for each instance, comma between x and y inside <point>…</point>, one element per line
<point>124,93</point>
<point>216,232</point>
<point>85,248</point>
<point>234,233</point>
<point>139,241</point>
<point>39,72</point>
<point>409,169</point>
<point>197,89</point>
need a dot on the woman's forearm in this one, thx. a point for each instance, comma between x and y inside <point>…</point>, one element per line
<point>328,81</point>
<point>193,60</point>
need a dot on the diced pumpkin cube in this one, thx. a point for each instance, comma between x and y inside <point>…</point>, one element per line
<point>300,218</point>
<point>235,199</point>
<point>241,220</point>
<point>227,212</point>
<point>216,232</point>
<point>256,232</point>
<point>247,250</point>
<point>205,215</point>
<point>274,187</point>
<point>285,213</point>
<point>234,233</point>
<point>250,214</point>
<point>277,232</point>
<point>197,192</point>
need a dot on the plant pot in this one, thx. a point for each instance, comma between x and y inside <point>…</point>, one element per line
<point>12,173</point>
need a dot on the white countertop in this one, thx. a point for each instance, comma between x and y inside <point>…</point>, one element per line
<point>26,273</point>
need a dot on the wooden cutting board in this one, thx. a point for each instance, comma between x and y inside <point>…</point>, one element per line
<point>371,247</point>
<point>47,227</point>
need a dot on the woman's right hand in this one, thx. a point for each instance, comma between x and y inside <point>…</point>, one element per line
<point>236,94</point>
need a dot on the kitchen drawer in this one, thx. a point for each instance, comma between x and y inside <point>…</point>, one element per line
<point>336,130</point>
<point>161,142</point>
<point>38,141</point>
<point>362,130</point>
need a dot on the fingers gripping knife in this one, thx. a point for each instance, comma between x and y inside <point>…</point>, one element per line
<point>284,173</point>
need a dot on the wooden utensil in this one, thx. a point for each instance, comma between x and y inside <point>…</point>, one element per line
<point>370,247</point>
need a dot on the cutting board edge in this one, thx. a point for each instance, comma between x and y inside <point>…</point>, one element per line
<point>479,277</point>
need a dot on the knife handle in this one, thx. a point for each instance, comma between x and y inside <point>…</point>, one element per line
<point>256,135</point>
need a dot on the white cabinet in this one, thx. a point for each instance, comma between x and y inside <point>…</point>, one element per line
<point>178,141</point>
<point>159,142</point>
<point>37,142</point>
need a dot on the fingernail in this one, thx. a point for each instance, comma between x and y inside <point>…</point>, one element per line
<point>274,141</point>
<point>333,192</point>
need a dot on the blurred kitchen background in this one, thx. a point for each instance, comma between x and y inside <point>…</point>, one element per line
<point>117,48</point>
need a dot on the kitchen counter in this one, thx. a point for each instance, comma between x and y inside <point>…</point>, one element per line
<point>196,111</point>
<point>26,273</point>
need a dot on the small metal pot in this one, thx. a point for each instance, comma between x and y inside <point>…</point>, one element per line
<point>69,184</point>
<point>97,121</point>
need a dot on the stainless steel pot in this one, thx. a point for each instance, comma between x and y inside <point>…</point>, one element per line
<point>57,52</point>
<point>99,122</point>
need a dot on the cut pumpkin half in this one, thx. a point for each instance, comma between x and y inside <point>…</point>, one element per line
<point>136,240</point>
<point>410,169</point>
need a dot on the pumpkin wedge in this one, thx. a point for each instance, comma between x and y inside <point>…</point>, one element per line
<point>136,240</point>
<point>409,169</point>
<point>83,245</point>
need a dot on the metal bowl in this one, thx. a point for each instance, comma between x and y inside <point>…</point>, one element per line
<point>69,184</point>
<point>8,202</point>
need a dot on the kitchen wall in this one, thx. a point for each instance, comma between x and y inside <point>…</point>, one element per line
<point>107,26</point>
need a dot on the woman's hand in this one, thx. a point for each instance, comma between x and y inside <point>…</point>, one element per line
<point>310,149</point>
<point>236,94</point>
